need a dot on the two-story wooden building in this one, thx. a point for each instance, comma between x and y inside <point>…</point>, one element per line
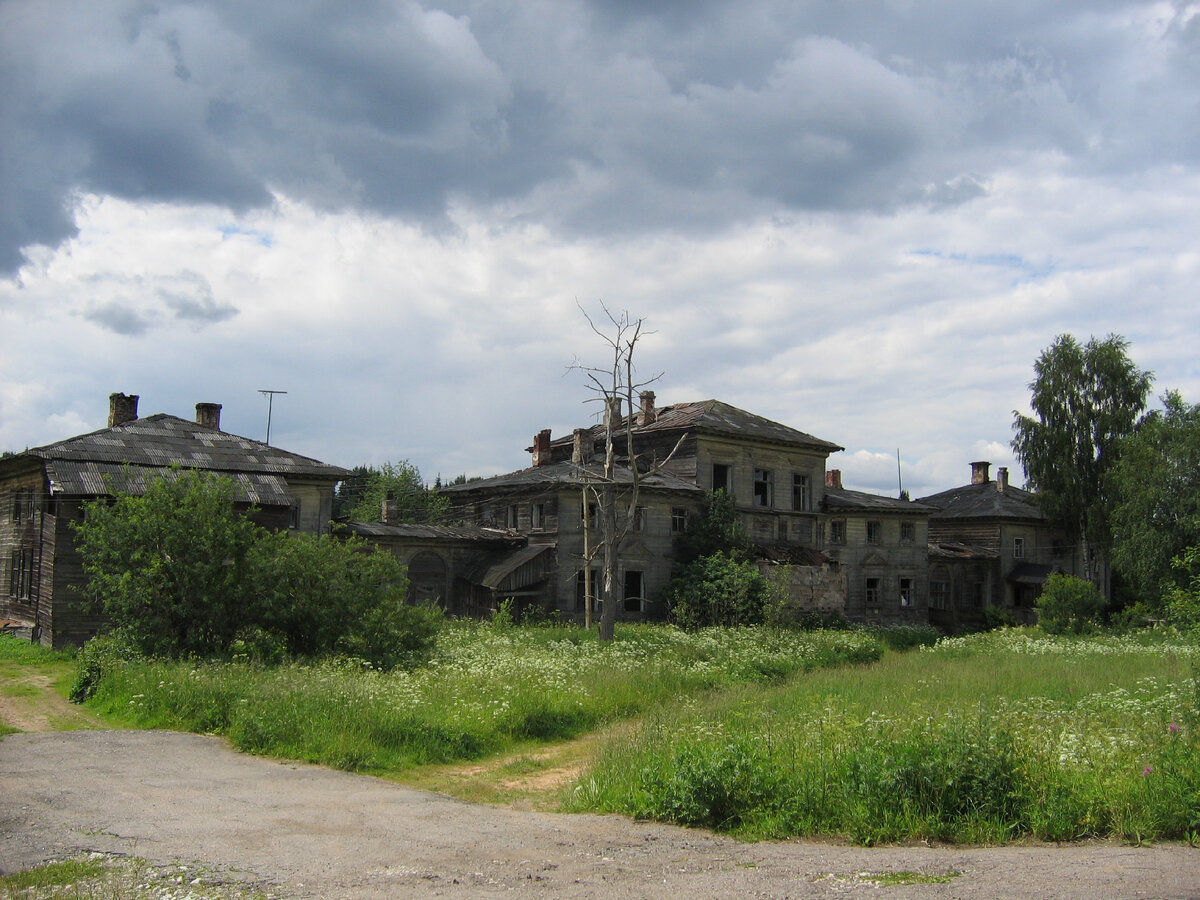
<point>775,474</point>
<point>881,544</point>
<point>42,492</point>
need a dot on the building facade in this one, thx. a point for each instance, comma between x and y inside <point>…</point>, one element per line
<point>990,546</point>
<point>43,492</point>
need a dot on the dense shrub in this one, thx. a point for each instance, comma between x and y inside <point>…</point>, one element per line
<point>719,590</point>
<point>1069,604</point>
<point>179,571</point>
<point>1183,603</point>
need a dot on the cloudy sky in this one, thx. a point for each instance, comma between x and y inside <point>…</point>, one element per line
<point>861,219</point>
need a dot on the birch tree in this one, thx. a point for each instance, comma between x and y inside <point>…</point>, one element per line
<point>1085,399</point>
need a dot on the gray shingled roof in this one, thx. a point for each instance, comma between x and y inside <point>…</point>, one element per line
<point>414,531</point>
<point>162,440</point>
<point>716,417</point>
<point>567,473</point>
<point>89,479</point>
<point>839,498</point>
<point>981,501</point>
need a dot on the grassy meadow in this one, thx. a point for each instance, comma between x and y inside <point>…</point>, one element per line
<point>875,736</point>
<point>983,739</point>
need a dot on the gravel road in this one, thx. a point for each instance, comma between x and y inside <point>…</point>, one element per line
<point>302,831</point>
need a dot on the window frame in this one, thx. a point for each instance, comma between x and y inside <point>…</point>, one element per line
<point>837,532</point>
<point>764,488</point>
<point>801,491</point>
<point>874,531</point>
<point>872,586</point>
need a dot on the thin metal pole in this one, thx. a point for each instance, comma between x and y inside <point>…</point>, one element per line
<point>270,395</point>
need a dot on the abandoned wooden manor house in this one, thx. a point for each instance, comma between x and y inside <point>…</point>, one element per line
<point>941,559</point>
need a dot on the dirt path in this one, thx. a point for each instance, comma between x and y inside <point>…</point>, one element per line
<point>28,702</point>
<point>309,832</point>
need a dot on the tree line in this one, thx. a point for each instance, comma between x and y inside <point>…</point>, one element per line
<point>1122,481</point>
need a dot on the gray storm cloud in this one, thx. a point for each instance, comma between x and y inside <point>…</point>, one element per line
<point>605,116</point>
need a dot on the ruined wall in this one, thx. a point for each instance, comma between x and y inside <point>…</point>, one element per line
<point>811,590</point>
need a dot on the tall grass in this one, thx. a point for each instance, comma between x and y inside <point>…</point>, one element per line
<point>485,689</point>
<point>980,739</point>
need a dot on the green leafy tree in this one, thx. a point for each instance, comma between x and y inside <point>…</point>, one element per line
<point>1069,604</point>
<point>717,529</point>
<point>1085,399</point>
<point>714,583</point>
<point>1154,487</point>
<point>321,595</point>
<point>179,570</point>
<point>1183,602</point>
<point>720,589</point>
<point>360,497</point>
<point>169,566</point>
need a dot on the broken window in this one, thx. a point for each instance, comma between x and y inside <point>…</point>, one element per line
<point>679,518</point>
<point>512,516</point>
<point>906,592</point>
<point>764,488</point>
<point>872,591</point>
<point>1018,548</point>
<point>837,531</point>
<point>874,532</point>
<point>908,532</point>
<point>537,516</point>
<point>721,480</point>
<point>633,591</point>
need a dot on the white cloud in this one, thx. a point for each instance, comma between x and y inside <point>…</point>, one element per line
<point>864,226</point>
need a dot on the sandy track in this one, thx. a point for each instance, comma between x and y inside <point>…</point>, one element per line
<point>310,832</point>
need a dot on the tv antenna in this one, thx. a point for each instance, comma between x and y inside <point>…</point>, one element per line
<point>270,395</point>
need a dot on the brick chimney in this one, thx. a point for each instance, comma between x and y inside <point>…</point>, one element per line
<point>387,513</point>
<point>209,415</point>
<point>1002,479</point>
<point>833,479</point>
<point>541,448</point>
<point>979,472</point>
<point>648,414</point>
<point>122,408</point>
<point>581,447</point>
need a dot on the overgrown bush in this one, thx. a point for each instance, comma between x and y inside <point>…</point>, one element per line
<point>1183,603</point>
<point>179,571</point>
<point>1069,604</point>
<point>97,658</point>
<point>719,590</point>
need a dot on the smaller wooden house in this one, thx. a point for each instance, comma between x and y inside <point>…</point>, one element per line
<point>42,492</point>
<point>991,546</point>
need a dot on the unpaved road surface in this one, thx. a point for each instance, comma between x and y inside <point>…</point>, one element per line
<point>302,831</point>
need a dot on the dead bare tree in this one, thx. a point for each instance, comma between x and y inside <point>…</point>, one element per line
<point>614,386</point>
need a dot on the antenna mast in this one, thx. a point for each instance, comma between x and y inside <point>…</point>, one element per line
<point>270,395</point>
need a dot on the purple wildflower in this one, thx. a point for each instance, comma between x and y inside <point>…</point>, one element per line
<point>1173,728</point>
<point>1147,771</point>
